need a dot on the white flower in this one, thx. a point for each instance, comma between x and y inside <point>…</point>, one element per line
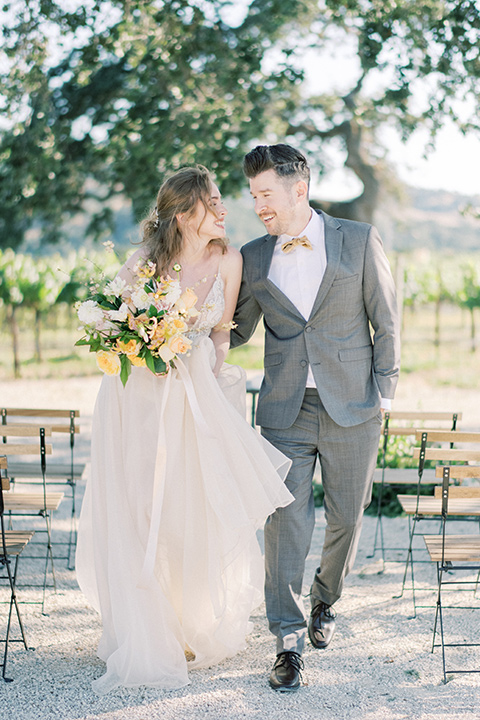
<point>90,313</point>
<point>140,299</point>
<point>121,314</point>
<point>115,287</point>
<point>173,293</point>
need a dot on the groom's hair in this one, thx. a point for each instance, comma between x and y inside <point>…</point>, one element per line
<point>286,161</point>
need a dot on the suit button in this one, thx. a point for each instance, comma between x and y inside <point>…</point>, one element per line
<point>303,363</point>
<point>308,329</point>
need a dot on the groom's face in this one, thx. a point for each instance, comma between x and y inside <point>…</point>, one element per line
<point>278,202</point>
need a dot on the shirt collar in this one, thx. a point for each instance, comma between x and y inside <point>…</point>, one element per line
<point>313,230</point>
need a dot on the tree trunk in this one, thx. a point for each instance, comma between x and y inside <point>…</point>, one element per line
<point>363,207</point>
<point>13,325</point>
<point>472,329</point>
<point>38,351</point>
<point>436,340</point>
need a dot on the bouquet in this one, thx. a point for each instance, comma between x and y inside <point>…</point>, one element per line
<point>143,324</point>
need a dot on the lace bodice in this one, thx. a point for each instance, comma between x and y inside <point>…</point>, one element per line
<point>210,312</point>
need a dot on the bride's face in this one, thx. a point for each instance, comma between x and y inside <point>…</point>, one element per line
<point>211,224</point>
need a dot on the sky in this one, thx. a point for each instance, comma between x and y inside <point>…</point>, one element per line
<point>454,165</point>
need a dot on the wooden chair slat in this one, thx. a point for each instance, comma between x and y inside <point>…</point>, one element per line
<point>21,430</point>
<point>456,436</point>
<point>39,412</point>
<point>16,540</point>
<point>430,505</point>
<point>53,428</point>
<point>464,491</point>
<point>5,483</point>
<point>420,415</point>
<point>458,548</point>
<point>28,502</point>
<point>448,454</point>
<point>458,472</point>
<point>27,449</point>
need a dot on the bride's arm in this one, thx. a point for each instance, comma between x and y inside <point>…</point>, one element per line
<point>126,271</point>
<point>232,275</point>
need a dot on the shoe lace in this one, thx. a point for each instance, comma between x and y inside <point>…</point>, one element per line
<point>290,658</point>
<point>325,609</point>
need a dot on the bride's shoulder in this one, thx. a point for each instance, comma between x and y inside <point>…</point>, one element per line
<point>231,258</point>
<point>127,270</point>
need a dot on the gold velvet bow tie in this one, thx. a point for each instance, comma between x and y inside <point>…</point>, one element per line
<point>292,244</point>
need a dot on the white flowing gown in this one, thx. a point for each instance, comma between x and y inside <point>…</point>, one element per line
<point>179,484</point>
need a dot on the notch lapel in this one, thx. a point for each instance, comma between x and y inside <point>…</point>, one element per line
<point>333,248</point>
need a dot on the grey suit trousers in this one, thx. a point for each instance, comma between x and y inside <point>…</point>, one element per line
<point>347,458</point>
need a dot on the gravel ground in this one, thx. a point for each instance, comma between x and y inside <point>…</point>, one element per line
<point>379,665</point>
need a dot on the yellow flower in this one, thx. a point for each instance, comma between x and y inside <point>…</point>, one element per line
<point>186,300</point>
<point>145,271</point>
<point>129,348</point>
<point>137,361</point>
<point>157,335</point>
<point>108,362</point>
<point>179,325</point>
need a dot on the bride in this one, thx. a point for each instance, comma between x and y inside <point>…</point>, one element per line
<point>167,550</point>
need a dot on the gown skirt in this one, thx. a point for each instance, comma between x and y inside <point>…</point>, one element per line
<point>167,548</point>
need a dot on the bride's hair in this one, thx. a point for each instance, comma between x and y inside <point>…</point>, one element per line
<point>179,194</point>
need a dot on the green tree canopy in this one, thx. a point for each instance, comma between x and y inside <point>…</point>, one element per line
<point>100,98</point>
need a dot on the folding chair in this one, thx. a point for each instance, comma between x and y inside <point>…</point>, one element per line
<point>253,388</point>
<point>34,504</point>
<point>12,545</point>
<point>403,424</point>
<point>453,554</point>
<point>59,473</point>
<point>420,507</point>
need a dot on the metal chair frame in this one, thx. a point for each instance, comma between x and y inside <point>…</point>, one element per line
<point>11,546</point>
<point>38,504</point>
<point>59,474</point>
<point>389,431</point>
<point>422,508</point>
<point>455,552</point>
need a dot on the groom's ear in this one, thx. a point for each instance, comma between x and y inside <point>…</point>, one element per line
<point>301,190</point>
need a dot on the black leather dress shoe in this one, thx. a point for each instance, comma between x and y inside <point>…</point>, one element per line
<point>287,672</point>
<point>321,625</point>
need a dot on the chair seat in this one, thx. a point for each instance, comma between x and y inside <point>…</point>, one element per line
<point>458,548</point>
<point>31,501</point>
<point>428,505</point>
<point>16,540</point>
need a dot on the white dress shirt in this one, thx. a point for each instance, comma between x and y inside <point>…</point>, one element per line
<point>298,274</point>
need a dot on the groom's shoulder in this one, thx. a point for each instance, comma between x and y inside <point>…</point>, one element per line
<point>253,245</point>
<point>346,224</point>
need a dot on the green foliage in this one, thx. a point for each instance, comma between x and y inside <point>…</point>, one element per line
<point>104,99</point>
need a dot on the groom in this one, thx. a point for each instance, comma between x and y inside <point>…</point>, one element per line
<point>327,297</point>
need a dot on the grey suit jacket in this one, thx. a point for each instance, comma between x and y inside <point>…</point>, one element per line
<point>351,338</point>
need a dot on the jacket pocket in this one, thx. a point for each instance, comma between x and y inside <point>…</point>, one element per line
<point>345,280</point>
<point>360,353</point>
<point>272,359</point>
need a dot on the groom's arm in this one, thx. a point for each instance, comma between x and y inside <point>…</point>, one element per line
<point>247,314</point>
<point>381,304</point>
